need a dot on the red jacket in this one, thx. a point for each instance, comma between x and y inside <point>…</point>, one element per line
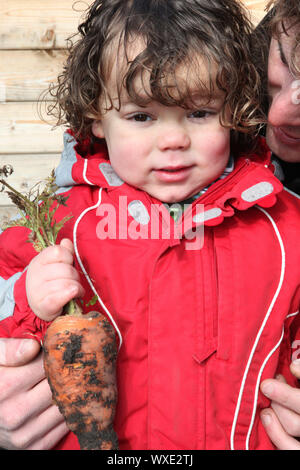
<point>199,326</point>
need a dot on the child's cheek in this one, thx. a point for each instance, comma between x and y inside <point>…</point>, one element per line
<point>124,161</point>
<point>218,145</point>
<point>224,147</point>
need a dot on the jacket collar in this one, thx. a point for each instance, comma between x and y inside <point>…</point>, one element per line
<point>251,183</point>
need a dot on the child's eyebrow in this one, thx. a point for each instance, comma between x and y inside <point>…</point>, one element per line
<point>282,54</point>
<point>214,98</point>
<point>127,103</point>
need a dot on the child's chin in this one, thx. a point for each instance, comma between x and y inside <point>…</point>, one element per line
<point>170,200</point>
<point>170,197</point>
<point>175,199</point>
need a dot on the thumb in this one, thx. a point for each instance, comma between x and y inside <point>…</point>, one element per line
<point>67,243</point>
<point>17,352</point>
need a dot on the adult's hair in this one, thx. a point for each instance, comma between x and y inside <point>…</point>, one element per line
<point>175,33</point>
<point>286,15</point>
<point>281,16</point>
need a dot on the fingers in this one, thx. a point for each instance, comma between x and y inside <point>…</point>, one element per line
<point>282,420</point>
<point>23,406</point>
<point>42,424</point>
<point>51,438</point>
<point>41,431</point>
<point>289,420</point>
<point>280,392</point>
<point>28,418</point>
<point>63,270</point>
<point>62,253</point>
<point>16,352</point>
<point>15,380</point>
<point>280,438</point>
<point>58,295</point>
<point>67,244</point>
<point>52,281</point>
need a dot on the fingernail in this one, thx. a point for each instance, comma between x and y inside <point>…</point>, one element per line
<point>25,346</point>
<point>267,389</point>
<point>266,418</point>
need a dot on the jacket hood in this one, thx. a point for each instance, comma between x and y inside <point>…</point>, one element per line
<point>81,165</point>
<point>252,182</point>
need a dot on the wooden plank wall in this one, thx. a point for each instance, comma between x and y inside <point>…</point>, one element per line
<point>257,9</point>
<point>33,37</point>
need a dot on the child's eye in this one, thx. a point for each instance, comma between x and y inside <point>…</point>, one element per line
<point>140,117</point>
<point>200,114</point>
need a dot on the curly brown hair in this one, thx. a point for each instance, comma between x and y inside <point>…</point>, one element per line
<point>175,33</point>
<point>286,15</point>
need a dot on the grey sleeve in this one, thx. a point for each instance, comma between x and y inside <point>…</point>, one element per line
<point>7,301</point>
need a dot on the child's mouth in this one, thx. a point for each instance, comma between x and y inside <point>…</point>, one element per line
<point>173,174</point>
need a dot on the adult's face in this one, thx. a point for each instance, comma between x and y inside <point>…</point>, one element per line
<point>283,130</point>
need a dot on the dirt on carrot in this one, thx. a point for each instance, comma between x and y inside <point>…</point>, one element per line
<point>80,360</point>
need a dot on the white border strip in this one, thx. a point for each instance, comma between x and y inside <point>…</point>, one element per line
<point>259,377</point>
<point>237,410</point>
<point>83,268</point>
<point>257,388</point>
<point>84,172</point>
<point>292,314</point>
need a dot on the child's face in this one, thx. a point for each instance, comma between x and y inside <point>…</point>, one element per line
<point>167,151</point>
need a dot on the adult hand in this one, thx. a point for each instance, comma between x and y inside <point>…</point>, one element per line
<point>28,419</point>
<point>282,420</point>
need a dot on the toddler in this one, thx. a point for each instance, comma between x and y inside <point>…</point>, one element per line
<point>179,226</point>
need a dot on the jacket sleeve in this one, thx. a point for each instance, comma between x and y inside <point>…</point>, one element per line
<point>17,320</point>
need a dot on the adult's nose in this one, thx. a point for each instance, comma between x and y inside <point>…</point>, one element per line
<point>284,108</point>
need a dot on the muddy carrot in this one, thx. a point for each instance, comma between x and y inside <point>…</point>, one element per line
<point>79,361</point>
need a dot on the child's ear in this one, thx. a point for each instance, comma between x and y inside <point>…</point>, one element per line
<point>97,129</point>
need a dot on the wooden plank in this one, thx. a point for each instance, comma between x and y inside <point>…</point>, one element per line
<point>28,170</point>
<point>45,24</point>
<point>39,24</point>
<point>257,9</point>
<point>7,213</point>
<point>17,80</point>
<point>23,131</point>
<point>258,5</point>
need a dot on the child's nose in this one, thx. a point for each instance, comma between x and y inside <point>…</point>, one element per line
<point>174,138</point>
